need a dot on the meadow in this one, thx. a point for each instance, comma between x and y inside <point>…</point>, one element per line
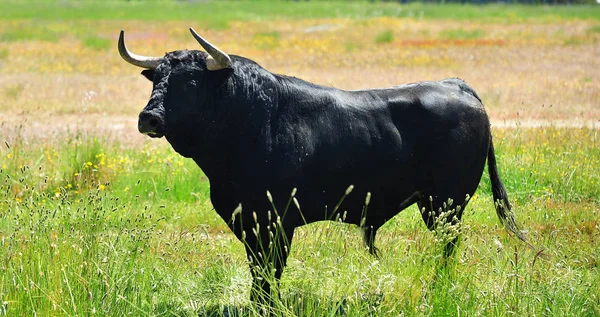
<point>96,219</point>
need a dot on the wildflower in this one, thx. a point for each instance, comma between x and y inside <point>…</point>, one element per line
<point>101,187</point>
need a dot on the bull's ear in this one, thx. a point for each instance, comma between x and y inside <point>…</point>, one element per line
<point>149,74</point>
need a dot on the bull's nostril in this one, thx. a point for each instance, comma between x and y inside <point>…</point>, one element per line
<point>153,122</point>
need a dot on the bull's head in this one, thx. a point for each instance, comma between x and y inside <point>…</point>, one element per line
<point>183,84</point>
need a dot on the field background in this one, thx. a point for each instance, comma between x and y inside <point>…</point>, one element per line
<point>96,219</point>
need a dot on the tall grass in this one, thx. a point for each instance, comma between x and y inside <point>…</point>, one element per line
<point>551,162</point>
<point>134,234</point>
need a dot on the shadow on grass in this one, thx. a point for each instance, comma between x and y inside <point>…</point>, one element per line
<point>294,304</point>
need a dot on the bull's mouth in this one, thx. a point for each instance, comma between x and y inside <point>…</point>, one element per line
<point>155,134</point>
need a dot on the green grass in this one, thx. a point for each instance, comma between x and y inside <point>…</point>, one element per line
<point>351,47</point>
<point>96,227</point>
<point>384,37</point>
<point>97,43</point>
<point>218,13</point>
<point>13,92</point>
<point>594,29</point>
<point>461,34</point>
<point>551,162</point>
<point>30,32</point>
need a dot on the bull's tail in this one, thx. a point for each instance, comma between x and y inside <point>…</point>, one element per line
<point>503,208</point>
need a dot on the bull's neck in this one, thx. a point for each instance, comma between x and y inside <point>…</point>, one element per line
<point>233,133</point>
<point>251,105</point>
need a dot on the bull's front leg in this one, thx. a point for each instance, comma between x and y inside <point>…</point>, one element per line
<point>267,247</point>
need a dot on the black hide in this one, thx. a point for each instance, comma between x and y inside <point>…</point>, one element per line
<point>252,131</point>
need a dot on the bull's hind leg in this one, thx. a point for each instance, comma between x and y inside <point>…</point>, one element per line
<point>369,238</point>
<point>438,210</point>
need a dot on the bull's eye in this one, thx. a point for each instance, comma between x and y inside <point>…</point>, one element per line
<point>190,85</point>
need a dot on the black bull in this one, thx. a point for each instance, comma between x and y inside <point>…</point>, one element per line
<point>356,156</point>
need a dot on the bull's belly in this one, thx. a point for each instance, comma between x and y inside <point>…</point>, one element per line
<point>354,203</point>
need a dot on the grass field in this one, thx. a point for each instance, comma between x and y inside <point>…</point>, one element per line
<point>96,219</point>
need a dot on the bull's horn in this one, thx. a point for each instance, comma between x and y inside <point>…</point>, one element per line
<point>218,59</point>
<point>137,60</point>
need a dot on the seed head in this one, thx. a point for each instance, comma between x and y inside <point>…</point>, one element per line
<point>349,189</point>
<point>368,199</point>
<point>269,197</point>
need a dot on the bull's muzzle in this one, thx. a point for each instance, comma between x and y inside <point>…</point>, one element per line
<point>151,124</point>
